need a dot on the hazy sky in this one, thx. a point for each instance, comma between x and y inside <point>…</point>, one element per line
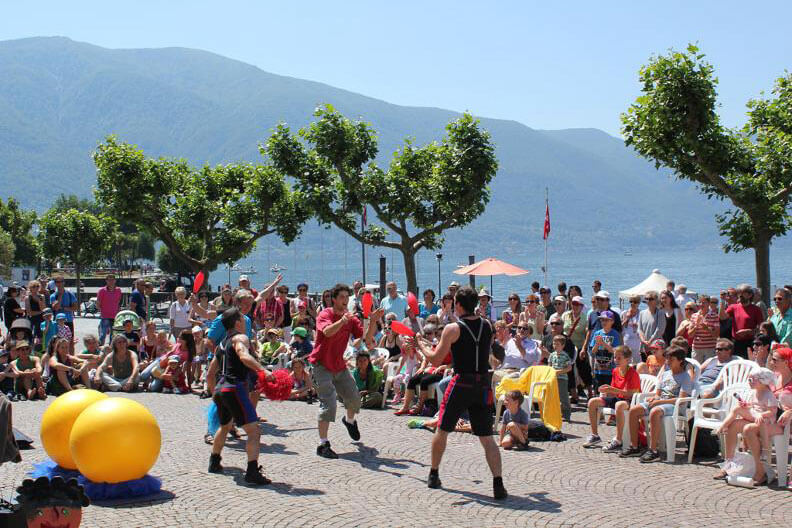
<point>573,64</point>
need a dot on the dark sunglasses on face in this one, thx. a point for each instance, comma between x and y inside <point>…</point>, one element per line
<point>778,299</point>
<point>721,349</point>
<point>531,301</point>
<point>522,328</point>
<point>555,324</point>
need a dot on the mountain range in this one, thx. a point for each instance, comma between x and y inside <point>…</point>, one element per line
<point>59,98</point>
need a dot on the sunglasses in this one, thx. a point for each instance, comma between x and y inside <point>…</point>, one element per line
<point>778,299</point>
<point>522,328</point>
<point>635,302</point>
<point>555,324</point>
<point>302,289</point>
<point>721,349</point>
<point>531,301</point>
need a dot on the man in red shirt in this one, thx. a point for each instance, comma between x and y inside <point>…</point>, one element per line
<point>745,317</point>
<point>334,326</point>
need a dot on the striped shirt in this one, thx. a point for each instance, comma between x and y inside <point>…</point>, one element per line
<point>704,339</point>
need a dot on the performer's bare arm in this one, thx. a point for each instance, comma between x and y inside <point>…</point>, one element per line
<point>447,338</point>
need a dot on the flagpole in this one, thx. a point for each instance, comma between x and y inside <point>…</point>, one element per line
<point>547,208</point>
<point>363,244</point>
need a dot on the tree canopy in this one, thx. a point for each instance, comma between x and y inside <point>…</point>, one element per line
<point>6,254</point>
<point>676,124</point>
<point>425,190</point>
<point>205,216</point>
<point>18,223</point>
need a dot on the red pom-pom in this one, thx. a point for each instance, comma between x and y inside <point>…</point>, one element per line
<point>401,329</point>
<point>278,390</point>
<point>412,302</point>
<point>367,302</point>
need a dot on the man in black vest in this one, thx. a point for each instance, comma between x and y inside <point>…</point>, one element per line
<point>469,341</point>
<point>232,360</point>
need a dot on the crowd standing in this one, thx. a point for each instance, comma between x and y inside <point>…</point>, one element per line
<point>597,351</point>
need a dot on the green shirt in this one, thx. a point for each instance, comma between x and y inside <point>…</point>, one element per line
<point>559,361</point>
<point>783,326</point>
<point>371,383</point>
<point>268,350</point>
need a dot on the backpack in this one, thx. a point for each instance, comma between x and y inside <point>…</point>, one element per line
<point>707,444</point>
<point>537,430</point>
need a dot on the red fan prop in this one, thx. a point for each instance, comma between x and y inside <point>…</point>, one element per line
<point>412,302</point>
<point>199,281</point>
<point>367,301</point>
<point>401,329</point>
<point>278,390</point>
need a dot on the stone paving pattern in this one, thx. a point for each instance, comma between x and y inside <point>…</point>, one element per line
<point>381,481</point>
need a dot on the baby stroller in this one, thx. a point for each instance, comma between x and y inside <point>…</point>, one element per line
<point>122,317</point>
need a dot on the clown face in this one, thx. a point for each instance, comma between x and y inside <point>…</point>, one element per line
<point>55,517</point>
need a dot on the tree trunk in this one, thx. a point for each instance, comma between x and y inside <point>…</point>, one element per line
<point>762,261</point>
<point>409,269</point>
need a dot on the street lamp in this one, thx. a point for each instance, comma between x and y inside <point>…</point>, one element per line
<point>439,285</point>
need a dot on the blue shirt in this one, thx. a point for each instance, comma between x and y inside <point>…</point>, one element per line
<point>397,306</point>
<point>140,303</point>
<point>52,332</point>
<point>424,313</point>
<point>217,331</point>
<point>67,299</point>
<point>603,358</point>
<point>520,418</point>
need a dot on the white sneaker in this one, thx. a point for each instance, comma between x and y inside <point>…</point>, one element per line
<point>592,440</point>
<point>614,446</point>
<point>166,390</point>
<point>177,391</point>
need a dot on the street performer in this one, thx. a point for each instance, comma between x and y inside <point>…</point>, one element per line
<point>332,379</point>
<point>232,394</point>
<point>468,340</point>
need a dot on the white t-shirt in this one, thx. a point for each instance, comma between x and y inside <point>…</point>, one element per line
<point>513,358</point>
<point>180,313</point>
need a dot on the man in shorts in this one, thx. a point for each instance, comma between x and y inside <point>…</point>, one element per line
<point>331,378</point>
<point>233,361</point>
<point>469,341</point>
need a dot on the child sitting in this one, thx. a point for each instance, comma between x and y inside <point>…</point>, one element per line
<point>654,361</point>
<point>133,337</point>
<point>562,363</point>
<point>173,377</point>
<point>92,353</point>
<point>760,407</point>
<point>514,428</point>
<point>302,389</point>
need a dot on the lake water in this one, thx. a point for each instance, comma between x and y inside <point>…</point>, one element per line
<point>702,269</point>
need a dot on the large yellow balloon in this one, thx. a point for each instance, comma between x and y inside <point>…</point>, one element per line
<point>57,422</point>
<point>115,440</point>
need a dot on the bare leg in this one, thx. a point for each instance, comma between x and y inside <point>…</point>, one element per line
<point>516,432</point>
<point>220,437</point>
<point>620,408</point>
<point>439,441</point>
<point>409,394</point>
<point>323,428</point>
<point>655,417</point>
<point>751,436</point>
<point>731,437</point>
<point>594,406</point>
<point>636,413</point>
<point>492,454</point>
<point>63,379</point>
<point>253,444</point>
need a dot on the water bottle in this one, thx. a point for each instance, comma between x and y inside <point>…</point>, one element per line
<point>743,482</point>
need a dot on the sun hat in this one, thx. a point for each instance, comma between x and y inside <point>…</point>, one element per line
<point>602,294</point>
<point>276,331</point>
<point>559,298</point>
<point>22,343</point>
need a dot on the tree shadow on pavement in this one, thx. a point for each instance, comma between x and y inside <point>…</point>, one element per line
<point>368,458</point>
<point>533,501</point>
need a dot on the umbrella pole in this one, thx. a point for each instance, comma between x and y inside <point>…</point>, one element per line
<point>492,290</point>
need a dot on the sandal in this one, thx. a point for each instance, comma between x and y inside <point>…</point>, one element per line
<point>762,482</point>
<point>208,439</point>
<point>401,412</point>
<point>722,475</point>
<point>415,411</point>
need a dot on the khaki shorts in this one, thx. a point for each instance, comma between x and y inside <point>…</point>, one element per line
<point>333,385</point>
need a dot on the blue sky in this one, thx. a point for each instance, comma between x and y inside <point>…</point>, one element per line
<point>574,64</point>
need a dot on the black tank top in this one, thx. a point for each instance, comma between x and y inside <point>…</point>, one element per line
<point>232,370</point>
<point>36,320</point>
<point>670,328</point>
<point>286,313</point>
<point>471,350</point>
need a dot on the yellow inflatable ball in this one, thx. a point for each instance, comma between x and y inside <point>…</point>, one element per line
<point>57,422</point>
<point>115,440</point>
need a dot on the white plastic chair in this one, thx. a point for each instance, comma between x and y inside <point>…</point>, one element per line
<point>781,445</point>
<point>709,413</point>
<point>648,388</point>
<point>390,375</point>
<point>527,405</point>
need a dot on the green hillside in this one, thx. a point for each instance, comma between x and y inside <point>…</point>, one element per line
<point>58,98</point>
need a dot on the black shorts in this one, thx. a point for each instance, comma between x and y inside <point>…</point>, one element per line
<point>233,402</point>
<point>611,401</point>
<point>603,378</point>
<point>471,392</point>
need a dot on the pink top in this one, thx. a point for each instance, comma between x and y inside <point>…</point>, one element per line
<point>109,301</point>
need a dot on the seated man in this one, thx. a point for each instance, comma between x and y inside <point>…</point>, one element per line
<point>521,352</point>
<point>708,379</point>
<point>674,382</point>
<point>28,373</point>
<point>616,395</point>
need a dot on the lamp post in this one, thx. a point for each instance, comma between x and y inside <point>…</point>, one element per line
<point>439,285</point>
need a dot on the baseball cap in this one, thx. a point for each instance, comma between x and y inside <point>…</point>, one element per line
<point>577,299</point>
<point>244,278</point>
<point>454,284</point>
<point>300,331</point>
<point>22,343</point>
<point>602,294</point>
<point>60,316</point>
<point>47,311</point>
<point>275,331</point>
<point>196,329</point>
<point>657,343</point>
<point>607,314</point>
<point>559,298</point>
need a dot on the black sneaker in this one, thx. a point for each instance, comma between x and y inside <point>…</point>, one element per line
<point>352,429</point>
<point>434,481</point>
<point>651,455</point>
<point>631,452</point>
<point>324,451</point>
<point>214,464</point>
<point>498,490</point>
<point>254,476</point>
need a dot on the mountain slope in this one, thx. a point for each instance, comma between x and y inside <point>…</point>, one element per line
<point>58,98</point>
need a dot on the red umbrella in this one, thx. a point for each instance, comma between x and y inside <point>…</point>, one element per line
<point>491,266</point>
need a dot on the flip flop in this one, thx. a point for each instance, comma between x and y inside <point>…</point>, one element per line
<point>208,439</point>
<point>720,476</point>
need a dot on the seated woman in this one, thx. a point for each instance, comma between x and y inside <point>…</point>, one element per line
<point>176,378</point>
<point>119,370</point>
<point>425,376</point>
<point>655,360</point>
<point>65,369</point>
<point>780,360</point>
<point>368,379</point>
<point>616,395</point>
<point>302,390</point>
<point>390,342</point>
<point>273,350</point>
<point>674,382</point>
<point>28,384</point>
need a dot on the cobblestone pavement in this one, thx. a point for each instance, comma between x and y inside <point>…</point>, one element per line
<point>380,481</point>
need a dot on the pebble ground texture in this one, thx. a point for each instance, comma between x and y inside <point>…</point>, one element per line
<point>381,480</point>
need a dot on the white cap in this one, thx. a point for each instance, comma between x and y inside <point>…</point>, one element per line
<point>578,299</point>
<point>602,294</point>
<point>244,278</point>
<point>560,298</point>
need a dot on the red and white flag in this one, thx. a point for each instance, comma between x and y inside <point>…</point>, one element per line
<point>547,222</point>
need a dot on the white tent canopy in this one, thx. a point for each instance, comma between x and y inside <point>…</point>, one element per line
<point>656,281</point>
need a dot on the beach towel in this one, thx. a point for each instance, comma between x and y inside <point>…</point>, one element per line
<point>550,405</point>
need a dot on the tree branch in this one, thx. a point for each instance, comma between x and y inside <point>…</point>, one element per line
<point>419,238</point>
